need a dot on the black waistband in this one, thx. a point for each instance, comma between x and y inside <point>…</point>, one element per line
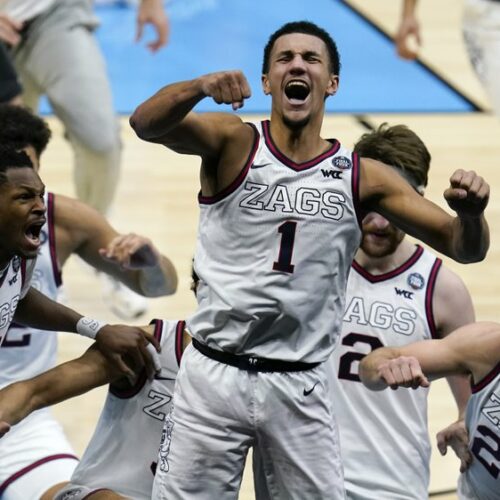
<point>251,363</point>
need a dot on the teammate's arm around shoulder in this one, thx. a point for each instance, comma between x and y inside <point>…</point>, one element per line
<point>65,381</point>
<point>464,238</point>
<point>167,116</point>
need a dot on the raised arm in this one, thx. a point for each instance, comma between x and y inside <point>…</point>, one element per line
<point>130,258</point>
<point>65,381</point>
<point>464,238</point>
<point>167,116</point>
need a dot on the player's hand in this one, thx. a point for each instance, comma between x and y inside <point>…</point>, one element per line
<point>226,87</point>
<point>9,30</point>
<point>4,428</point>
<point>404,371</point>
<point>131,251</point>
<point>408,30</point>
<point>468,194</point>
<point>118,341</point>
<point>152,12</point>
<point>456,436</point>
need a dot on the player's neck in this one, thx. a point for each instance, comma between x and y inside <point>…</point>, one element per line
<point>301,144</point>
<point>387,263</point>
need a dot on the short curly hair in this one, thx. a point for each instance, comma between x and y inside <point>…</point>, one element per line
<point>19,128</point>
<point>306,28</point>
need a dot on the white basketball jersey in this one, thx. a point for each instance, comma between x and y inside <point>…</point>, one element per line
<point>383,435</point>
<point>123,451</point>
<point>30,351</point>
<point>25,10</point>
<point>14,285</point>
<point>483,423</point>
<point>273,254</point>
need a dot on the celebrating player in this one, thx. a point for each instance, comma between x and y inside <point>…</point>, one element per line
<point>470,350</point>
<point>35,458</point>
<point>397,293</point>
<point>279,226</point>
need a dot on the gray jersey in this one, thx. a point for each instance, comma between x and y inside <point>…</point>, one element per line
<point>483,423</point>
<point>122,453</point>
<point>273,254</point>
<point>32,351</point>
<point>383,436</point>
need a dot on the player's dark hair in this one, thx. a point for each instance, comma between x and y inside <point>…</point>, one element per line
<point>10,158</point>
<point>20,128</point>
<point>399,147</point>
<point>306,28</point>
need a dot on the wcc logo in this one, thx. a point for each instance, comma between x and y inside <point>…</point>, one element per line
<point>334,174</point>
<point>404,293</point>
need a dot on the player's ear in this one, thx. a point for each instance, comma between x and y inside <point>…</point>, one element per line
<point>333,85</point>
<point>265,84</point>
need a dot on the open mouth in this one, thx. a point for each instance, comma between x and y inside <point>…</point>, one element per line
<point>297,91</point>
<point>33,231</point>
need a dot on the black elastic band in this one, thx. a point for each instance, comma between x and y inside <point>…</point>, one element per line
<point>251,363</point>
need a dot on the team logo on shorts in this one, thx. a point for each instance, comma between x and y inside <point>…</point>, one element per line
<point>166,438</point>
<point>342,162</point>
<point>416,281</point>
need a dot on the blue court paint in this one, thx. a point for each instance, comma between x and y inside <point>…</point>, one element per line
<point>214,35</point>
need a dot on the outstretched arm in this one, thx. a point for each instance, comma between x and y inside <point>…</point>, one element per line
<point>115,341</point>
<point>473,349</point>
<point>130,258</point>
<point>65,381</point>
<point>409,27</point>
<point>464,238</point>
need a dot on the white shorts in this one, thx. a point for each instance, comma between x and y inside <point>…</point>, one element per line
<point>34,456</point>
<point>220,412</point>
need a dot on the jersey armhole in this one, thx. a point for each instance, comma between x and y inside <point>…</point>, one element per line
<point>429,295</point>
<point>476,387</point>
<point>355,189</point>
<point>209,200</point>
<point>56,270</point>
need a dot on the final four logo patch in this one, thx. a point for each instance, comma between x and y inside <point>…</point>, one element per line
<point>342,162</point>
<point>416,281</point>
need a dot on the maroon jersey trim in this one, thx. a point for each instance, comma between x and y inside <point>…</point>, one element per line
<point>179,340</point>
<point>486,379</point>
<point>52,240</point>
<point>32,466</point>
<point>429,294</point>
<point>355,189</point>
<point>209,200</point>
<point>298,167</point>
<point>143,377</point>
<point>377,278</point>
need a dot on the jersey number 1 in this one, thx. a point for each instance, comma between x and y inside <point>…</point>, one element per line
<point>284,262</point>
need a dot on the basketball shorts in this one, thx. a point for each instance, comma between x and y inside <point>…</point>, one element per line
<point>220,411</point>
<point>34,456</point>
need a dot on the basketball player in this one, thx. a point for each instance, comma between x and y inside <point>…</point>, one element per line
<point>471,350</point>
<point>130,424</point>
<point>280,215</point>
<point>36,457</point>
<point>22,216</point>
<point>397,293</point>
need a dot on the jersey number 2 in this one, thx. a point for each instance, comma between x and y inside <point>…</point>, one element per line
<point>346,371</point>
<point>479,444</point>
<point>284,262</point>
